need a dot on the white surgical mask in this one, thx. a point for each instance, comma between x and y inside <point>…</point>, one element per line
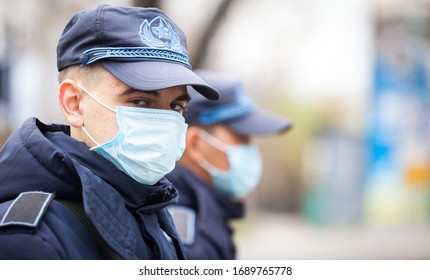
<point>245,167</point>
<point>148,143</point>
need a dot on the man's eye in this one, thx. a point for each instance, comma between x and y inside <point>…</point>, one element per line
<point>139,102</point>
<point>181,108</point>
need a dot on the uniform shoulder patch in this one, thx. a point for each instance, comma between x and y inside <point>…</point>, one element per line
<point>27,209</point>
<point>185,223</point>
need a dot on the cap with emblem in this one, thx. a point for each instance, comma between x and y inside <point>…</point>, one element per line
<point>234,108</point>
<point>142,47</point>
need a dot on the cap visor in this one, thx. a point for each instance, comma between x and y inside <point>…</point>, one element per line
<point>259,123</point>
<point>156,75</point>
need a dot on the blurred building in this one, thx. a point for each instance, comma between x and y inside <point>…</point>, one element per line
<point>397,188</point>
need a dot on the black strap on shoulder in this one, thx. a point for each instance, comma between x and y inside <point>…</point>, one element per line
<point>27,210</point>
<point>77,208</point>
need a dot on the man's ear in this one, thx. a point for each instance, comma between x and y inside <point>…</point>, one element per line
<point>69,96</point>
<point>193,150</point>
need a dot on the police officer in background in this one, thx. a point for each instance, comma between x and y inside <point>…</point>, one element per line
<point>219,167</point>
<point>95,188</point>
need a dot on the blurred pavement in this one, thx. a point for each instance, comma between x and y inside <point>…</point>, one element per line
<point>266,235</point>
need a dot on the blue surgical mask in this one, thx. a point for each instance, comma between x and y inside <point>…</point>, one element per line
<point>245,167</point>
<point>148,143</point>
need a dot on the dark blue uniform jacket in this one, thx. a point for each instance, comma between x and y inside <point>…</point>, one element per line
<point>213,213</point>
<point>131,217</point>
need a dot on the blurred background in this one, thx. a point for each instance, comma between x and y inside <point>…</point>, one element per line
<point>351,180</point>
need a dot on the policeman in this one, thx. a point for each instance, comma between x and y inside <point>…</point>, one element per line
<point>95,189</point>
<point>220,166</point>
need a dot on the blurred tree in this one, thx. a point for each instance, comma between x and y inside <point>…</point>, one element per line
<point>212,28</point>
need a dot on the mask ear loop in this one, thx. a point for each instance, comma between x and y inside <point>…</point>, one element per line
<point>101,103</point>
<point>89,136</point>
<point>96,99</point>
<point>212,140</point>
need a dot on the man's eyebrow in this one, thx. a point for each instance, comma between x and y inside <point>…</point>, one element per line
<point>127,91</point>
<point>130,90</point>
<point>184,96</point>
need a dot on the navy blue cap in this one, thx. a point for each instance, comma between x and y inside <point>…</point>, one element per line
<point>142,47</point>
<point>233,109</point>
